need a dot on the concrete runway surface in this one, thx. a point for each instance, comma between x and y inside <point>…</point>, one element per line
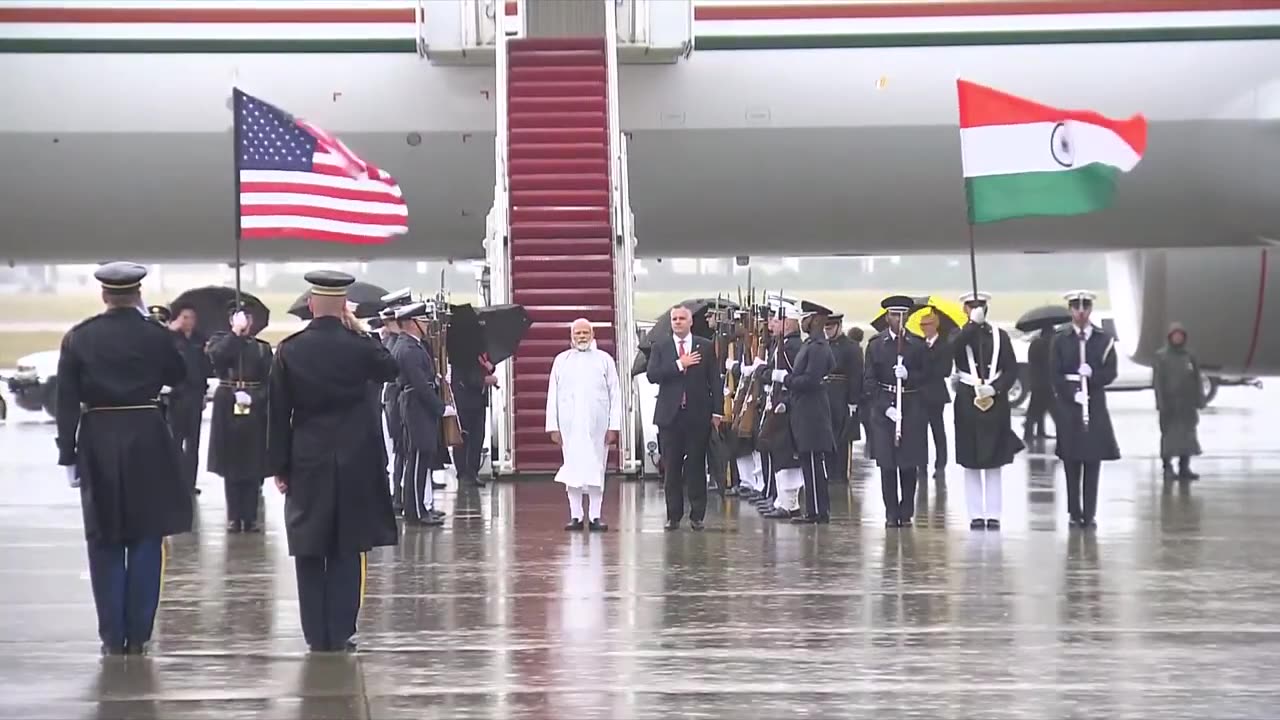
<point>1168,610</point>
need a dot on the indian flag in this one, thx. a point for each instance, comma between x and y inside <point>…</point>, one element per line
<point>1022,158</point>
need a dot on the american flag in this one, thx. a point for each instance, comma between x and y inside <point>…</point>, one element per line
<point>298,181</point>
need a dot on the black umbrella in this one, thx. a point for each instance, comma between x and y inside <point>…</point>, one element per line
<point>1043,318</point>
<point>210,304</point>
<point>366,296</point>
<point>699,308</point>
<point>496,331</point>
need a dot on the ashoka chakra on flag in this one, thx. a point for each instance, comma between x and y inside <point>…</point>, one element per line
<point>1023,158</point>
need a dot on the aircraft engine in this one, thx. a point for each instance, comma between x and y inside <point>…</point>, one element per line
<point>1227,298</point>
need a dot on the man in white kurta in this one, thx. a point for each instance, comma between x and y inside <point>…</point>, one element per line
<point>584,415</point>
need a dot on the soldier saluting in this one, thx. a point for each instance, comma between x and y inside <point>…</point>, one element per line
<point>325,448</point>
<point>897,359</point>
<point>421,413</point>
<point>113,439</point>
<point>1083,363</point>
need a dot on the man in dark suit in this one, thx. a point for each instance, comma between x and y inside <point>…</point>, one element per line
<point>935,394</point>
<point>690,385</point>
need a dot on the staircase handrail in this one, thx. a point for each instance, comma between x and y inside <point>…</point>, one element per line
<point>624,324</point>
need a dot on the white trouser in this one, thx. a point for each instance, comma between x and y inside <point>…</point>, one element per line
<point>749,471</point>
<point>977,490</point>
<point>596,494</point>
<point>789,483</point>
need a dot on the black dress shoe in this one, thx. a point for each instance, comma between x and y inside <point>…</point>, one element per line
<point>696,525</point>
<point>250,526</point>
<point>574,525</point>
<point>1089,524</point>
<point>671,525</point>
<point>479,481</point>
<point>1075,522</point>
<point>397,508</point>
<point>131,649</point>
<point>803,520</point>
<point>428,520</point>
<point>438,485</point>
<point>731,492</point>
<point>436,513</point>
<point>977,524</point>
<point>993,524</point>
<point>233,526</point>
<point>824,520</point>
<point>598,526</point>
<point>112,650</point>
<point>891,522</point>
<point>778,514</point>
<point>905,522</point>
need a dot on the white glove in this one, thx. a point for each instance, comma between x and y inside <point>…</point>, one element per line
<point>891,413</point>
<point>727,392</point>
<point>450,411</point>
<point>853,408</point>
<point>754,366</point>
<point>978,315</point>
<point>779,375</point>
<point>780,408</point>
<point>239,322</point>
<point>985,390</point>
<point>900,371</point>
<point>1085,370</point>
<point>73,476</point>
<point>1081,398</point>
<point>730,364</point>
<point>243,398</point>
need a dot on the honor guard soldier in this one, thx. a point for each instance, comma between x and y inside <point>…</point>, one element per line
<point>844,389</point>
<point>1083,364</point>
<point>896,365</point>
<point>115,445</point>
<point>238,431</point>
<point>775,432</point>
<point>810,412</point>
<point>471,379</point>
<point>421,411</point>
<point>391,335</point>
<point>986,369</point>
<point>325,448</point>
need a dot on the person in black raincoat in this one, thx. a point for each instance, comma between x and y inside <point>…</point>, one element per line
<point>892,356</point>
<point>986,369</point>
<point>325,448</point>
<point>810,412</point>
<point>1083,364</point>
<point>844,392</point>
<point>187,399</point>
<point>776,436</point>
<point>1041,400</point>
<point>1179,397</point>
<point>238,430</point>
<point>114,443</point>
<point>421,410</point>
<point>391,335</point>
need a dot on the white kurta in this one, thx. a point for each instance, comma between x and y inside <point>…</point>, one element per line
<point>583,404</point>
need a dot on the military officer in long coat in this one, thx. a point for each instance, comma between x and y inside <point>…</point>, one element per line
<point>391,334</point>
<point>844,391</point>
<point>421,411</point>
<point>775,431</point>
<point>238,430</point>
<point>986,369</point>
<point>325,448</point>
<point>1179,397</point>
<point>115,445</point>
<point>1083,364</point>
<point>809,412</point>
<point>898,431</point>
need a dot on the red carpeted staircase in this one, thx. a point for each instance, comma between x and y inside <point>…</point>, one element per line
<point>562,263</point>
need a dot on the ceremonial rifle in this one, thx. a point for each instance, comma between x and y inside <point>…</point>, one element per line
<point>451,427</point>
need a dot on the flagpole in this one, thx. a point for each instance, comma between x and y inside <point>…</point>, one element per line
<point>235,174</point>
<point>973,262</point>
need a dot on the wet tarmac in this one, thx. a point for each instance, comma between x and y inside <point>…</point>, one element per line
<point>1168,610</point>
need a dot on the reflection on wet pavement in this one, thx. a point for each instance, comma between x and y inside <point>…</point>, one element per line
<point>1168,610</point>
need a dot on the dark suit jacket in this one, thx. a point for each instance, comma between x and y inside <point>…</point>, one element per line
<point>940,364</point>
<point>702,385</point>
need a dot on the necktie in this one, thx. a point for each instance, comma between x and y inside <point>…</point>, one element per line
<point>683,396</point>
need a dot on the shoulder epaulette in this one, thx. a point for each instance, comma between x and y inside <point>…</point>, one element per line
<point>288,337</point>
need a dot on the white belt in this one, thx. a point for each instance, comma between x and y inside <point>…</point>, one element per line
<point>1072,377</point>
<point>972,380</point>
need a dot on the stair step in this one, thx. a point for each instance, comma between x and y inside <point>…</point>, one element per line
<point>565,314</point>
<point>529,215</point>
<point>557,104</point>
<point>570,73</point>
<point>551,348</point>
<point>597,168</point>
<point>561,264</point>
<point>532,400</point>
<point>561,229</point>
<point>560,198</point>
<point>528,367</point>
<point>560,246</point>
<point>546,296</point>
<point>569,43</point>
<point>538,136</point>
<point>562,281</point>
<point>557,89</point>
<point>559,332</point>
<point>556,58</point>
<point>546,457</point>
<point>559,151</point>
<point>522,120</point>
<point>530,179</point>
